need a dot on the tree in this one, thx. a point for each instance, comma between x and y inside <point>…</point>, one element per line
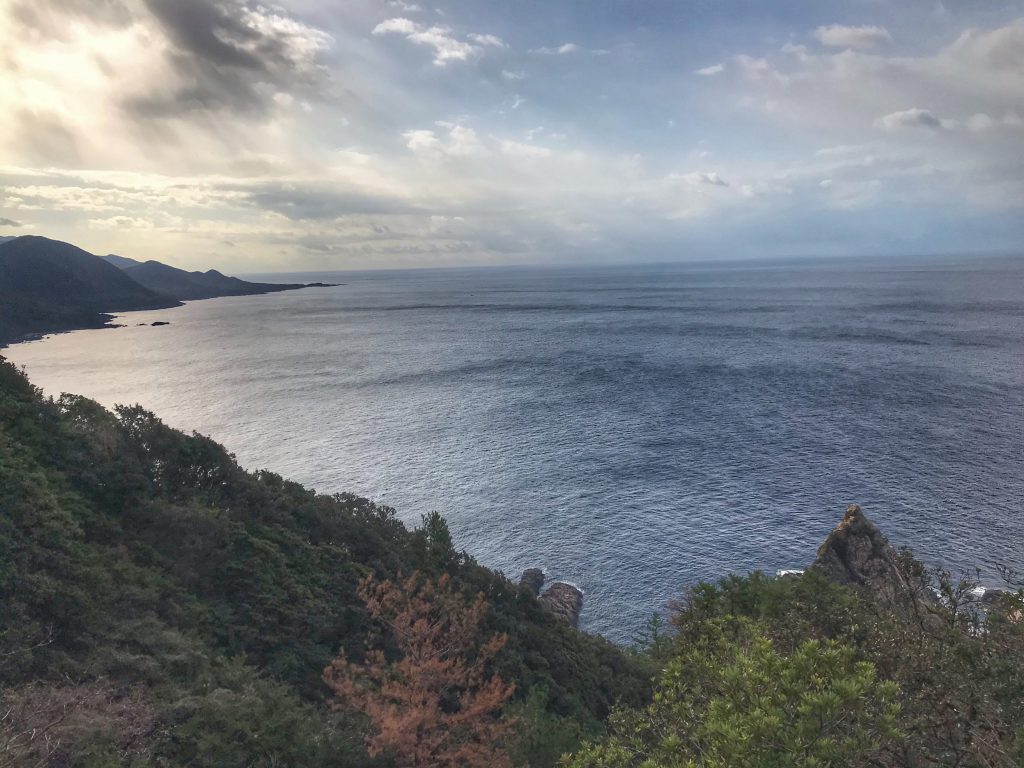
<point>431,701</point>
<point>733,701</point>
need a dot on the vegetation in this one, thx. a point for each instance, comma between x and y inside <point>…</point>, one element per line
<point>435,705</point>
<point>799,672</point>
<point>201,603</point>
<point>161,607</point>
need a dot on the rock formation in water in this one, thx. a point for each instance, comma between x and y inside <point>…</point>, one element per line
<point>532,579</point>
<point>856,553</point>
<point>564,600</point>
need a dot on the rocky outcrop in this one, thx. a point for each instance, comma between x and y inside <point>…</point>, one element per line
<point>858,554</point>
<point>533,580</point>
<point>564,600</point>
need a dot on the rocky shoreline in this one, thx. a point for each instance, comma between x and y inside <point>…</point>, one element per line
<point>563,599</point>
<point>856,553</point>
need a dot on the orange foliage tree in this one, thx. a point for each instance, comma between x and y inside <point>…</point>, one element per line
<point>435,705</point>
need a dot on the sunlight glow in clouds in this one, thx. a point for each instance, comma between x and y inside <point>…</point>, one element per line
<point>358,134</point>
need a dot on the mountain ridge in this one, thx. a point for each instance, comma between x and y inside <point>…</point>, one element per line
<point>181,284</point>
<point>49,286</point>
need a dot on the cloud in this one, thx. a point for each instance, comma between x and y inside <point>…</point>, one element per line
<point>447,47</point>
<point>226,55</point>
<point>49,17</point>
<point>909,118</point>
<point>965,97</point>
<point>491,40</point>
<point>45,137</point>
<point>460,141</point>
<point>9,223</point>
<point>519,149</point>
<point>168,127</point>
<point>839,36</point>
<point>405,7</point>
<point>706,178</point>
<point>560,50</point>
<point>714,69</point>
<point>319,201</point>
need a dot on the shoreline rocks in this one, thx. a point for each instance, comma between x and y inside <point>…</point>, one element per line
<point>564,600</point>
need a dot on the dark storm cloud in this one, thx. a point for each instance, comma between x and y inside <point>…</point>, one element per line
<point>211,31</point>
<point>228,61</point>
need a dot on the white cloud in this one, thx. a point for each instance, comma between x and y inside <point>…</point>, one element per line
<point>509,74</point>
<point>910,118</point>
<point>756,68</point>
<point>519,149</point>
<point>980,123</point>
<point>421,141</point>
<point>400,25</point>
<point>447,47</point>
<point>463,142</point>
<point>941,125</point>
<point>840,36</point>
<point>491,40</point>
<point>560,50</point>
<point>714,69</point>
<point>460,141</point>
<point>712,179</point>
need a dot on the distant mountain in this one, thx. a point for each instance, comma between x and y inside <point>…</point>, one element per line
<point>48,286</point>
<point>171,281</point>
<point>7,238</point>
<point>121,262</point>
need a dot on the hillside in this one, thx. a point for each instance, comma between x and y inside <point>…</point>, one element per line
<point>186,608</point>
<point>121,262</point>
<point>171,281</point>
<point>47,286</point>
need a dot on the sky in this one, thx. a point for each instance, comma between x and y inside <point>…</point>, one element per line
<point>336,134</point>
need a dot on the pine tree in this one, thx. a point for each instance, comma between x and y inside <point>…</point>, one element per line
<point>435,705</point>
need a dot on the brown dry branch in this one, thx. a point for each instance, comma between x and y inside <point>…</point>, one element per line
<point>436,704</point>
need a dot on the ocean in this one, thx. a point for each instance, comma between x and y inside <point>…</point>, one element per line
<point>632,430</point>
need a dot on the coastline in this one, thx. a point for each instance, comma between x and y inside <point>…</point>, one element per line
<point>102,320</point>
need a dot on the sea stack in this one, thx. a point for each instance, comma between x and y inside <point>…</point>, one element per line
<point>564,600</point>
<point>856,553</point>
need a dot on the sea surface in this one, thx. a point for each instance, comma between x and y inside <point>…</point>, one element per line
<point>631,430</point>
